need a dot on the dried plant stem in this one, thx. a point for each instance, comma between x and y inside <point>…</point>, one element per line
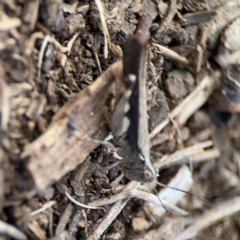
<point>81,204</point>
<point>166,22</point>
<point>72,40</point>
<point>11,231</point>
<point>125,194</point>
<point>210,217</point>
<point>107,41</point>
<point>43,208</point>
<point>191,103</point>
<point>112,213</point>
<point>168,53</point>
<point>184,155</point>
<point>64,219</point>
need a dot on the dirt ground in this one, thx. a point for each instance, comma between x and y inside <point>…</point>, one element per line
<point>60,62</point>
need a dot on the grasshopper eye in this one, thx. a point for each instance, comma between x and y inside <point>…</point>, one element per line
<point>148,175</point>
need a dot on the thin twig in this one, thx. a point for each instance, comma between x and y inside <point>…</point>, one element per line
<point>98,62</point>
<point>184,155</point>
<point>168,53</point>
<point>70,43</point>
<point>43,208</point>
<point>112,213</point>
<point>5,92</point>
<point>81,204</point>
<point>130,193</point>
<point>166,22</point>
<point>64,219</point>
<point>195,99</point>
<point>139,194</point>
<point>206,155</point>
<point>11,231</point>
<point>221,211</point>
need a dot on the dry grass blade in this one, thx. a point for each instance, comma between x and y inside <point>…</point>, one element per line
<point>43,208</point>
<point>193,153</point>
<point>191,103</point>
<point>61,77</point>
<point>4,101</point>
<point>107,42</point>
<point>112,214</point>
<point>125,194</point>
<point>81,204</point>
<point>210,217</point>
<point>129,192</point>
<point>70,43</point>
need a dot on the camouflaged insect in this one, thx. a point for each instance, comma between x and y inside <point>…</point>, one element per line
<point>129,123</point>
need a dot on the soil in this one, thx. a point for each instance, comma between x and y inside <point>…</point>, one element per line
<point>60,81</point>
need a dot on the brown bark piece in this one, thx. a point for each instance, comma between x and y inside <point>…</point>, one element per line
<point>58,150</point>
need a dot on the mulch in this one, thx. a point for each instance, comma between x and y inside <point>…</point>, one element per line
<point>60,66</point>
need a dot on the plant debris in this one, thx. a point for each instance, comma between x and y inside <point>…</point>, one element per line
<point>60,67</point>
